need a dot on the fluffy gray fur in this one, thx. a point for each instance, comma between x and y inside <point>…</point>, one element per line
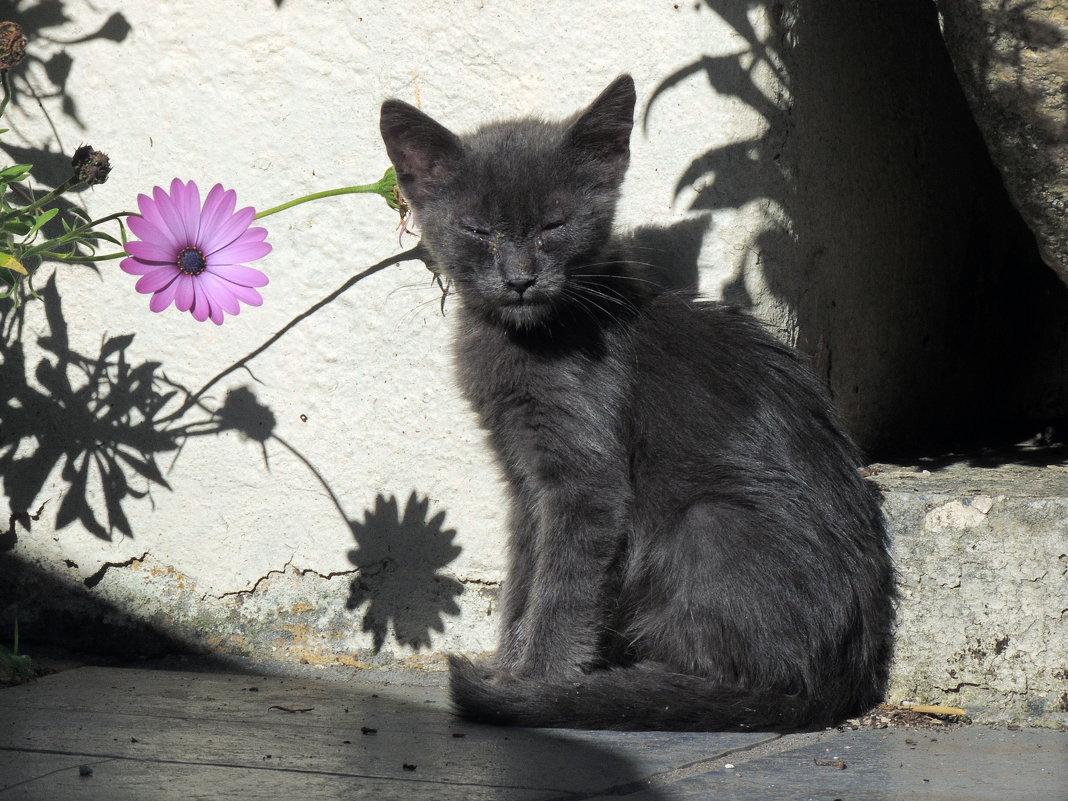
<point>691,546</point>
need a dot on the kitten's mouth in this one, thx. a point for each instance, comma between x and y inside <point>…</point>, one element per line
<point>525,309</point>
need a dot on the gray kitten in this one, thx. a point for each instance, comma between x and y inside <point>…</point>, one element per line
<point>691,546</point>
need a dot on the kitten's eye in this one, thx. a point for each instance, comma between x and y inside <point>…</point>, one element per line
<point>473,230</point>
<point>552,225</point>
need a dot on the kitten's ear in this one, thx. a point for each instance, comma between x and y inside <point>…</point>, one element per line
<point>603,129</point>
<point>422,151</point>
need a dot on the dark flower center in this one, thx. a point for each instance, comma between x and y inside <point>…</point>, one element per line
<point>191,261</point>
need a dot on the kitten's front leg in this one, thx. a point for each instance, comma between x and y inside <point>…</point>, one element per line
<point>516,590</point>
<point>580,530</point>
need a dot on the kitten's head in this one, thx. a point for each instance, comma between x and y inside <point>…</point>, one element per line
<point>517,212</point>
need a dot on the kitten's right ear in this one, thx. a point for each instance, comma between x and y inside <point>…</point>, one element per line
<point>422,151</point>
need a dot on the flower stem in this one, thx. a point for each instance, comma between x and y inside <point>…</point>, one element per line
<point>6,80</point>
<point>44,200</point>
<point>73,234</point>
<point>375,188</point>
<point>80,259</point>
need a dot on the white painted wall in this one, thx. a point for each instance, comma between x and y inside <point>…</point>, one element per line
<point>248,548</point>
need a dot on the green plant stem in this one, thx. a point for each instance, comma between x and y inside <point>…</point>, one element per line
<point>44,200</point>
<point>72,234</point>
<point>376,188</point>
<point>6,80</point>
<point>79,259</point>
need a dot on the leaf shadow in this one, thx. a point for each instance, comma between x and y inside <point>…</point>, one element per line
<point>399,555</point>
<point>40,21</point>
<point>97,415</point>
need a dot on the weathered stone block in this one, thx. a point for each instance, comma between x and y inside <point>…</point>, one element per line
<point>1012,61</point>
<point>982,555</point>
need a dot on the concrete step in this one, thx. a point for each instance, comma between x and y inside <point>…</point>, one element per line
<point>981,553</point>
<point>982,559</point>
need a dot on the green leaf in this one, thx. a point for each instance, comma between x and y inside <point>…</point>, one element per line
<point>15,173</point>
<point>18,227</point>
<point>42,219</point>
<point>11,263</point>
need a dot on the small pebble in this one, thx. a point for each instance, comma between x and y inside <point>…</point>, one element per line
<point>409,767</point>
<point>85,770</point>
<point>728,766</point>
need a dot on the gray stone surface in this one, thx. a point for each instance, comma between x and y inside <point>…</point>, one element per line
<point>1012,59</point>
<point>982,559</point>
<point>168,734</point>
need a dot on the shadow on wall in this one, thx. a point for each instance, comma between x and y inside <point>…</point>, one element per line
<point>39,21</point>
<point>97,415</point>
<point>733,175</point>
<point>399,556</point>
<point>53,612</point>
<point>915,288</point>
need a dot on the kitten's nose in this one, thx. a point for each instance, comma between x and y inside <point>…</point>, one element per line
<point>520,285</point>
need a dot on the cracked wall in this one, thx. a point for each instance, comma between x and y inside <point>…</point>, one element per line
<point>303,482</point>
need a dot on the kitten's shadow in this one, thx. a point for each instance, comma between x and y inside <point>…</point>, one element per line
<point>669,254</point>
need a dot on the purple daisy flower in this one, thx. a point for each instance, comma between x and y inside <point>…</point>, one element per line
<point>194,255</point>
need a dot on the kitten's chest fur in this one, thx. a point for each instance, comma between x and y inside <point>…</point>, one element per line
<point>544,397</point>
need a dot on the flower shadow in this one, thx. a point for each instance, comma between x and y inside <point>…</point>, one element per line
<point>399,556</point>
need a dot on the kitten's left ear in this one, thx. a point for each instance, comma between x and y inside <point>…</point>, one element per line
<point>603,129</point>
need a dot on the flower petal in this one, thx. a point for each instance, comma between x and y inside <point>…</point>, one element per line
<point>239,274</point>
<point>246,295</point>
<point>150,251</point>
<point>218,207</point>
<point>219,292</point>
<point>157,280</point>
<point>138,267</point>
<point>240,251</point>
<point>227,231</point>
<point>162,299</point>
<point>151,214</point>
<point>183,298</point>
<point>201,306</point>
<point>148,231</point>
<point>187,204</point>
<point>169,216</point>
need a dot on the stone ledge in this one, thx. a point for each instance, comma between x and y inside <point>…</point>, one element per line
<point>982,560</point>
<point>981,553</point>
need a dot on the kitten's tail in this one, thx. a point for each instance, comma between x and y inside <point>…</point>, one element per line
<point>643,697</point>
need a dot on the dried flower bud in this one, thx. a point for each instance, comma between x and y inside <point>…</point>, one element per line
<point>91,166</point>
<point>12,45</point>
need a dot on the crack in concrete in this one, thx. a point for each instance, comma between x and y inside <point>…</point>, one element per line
<point>483,582</point>
<point>306,570</point>
<point>258,581</point>
<point>9,539</point>
<point>303,571</point>
<point>98,576</point>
